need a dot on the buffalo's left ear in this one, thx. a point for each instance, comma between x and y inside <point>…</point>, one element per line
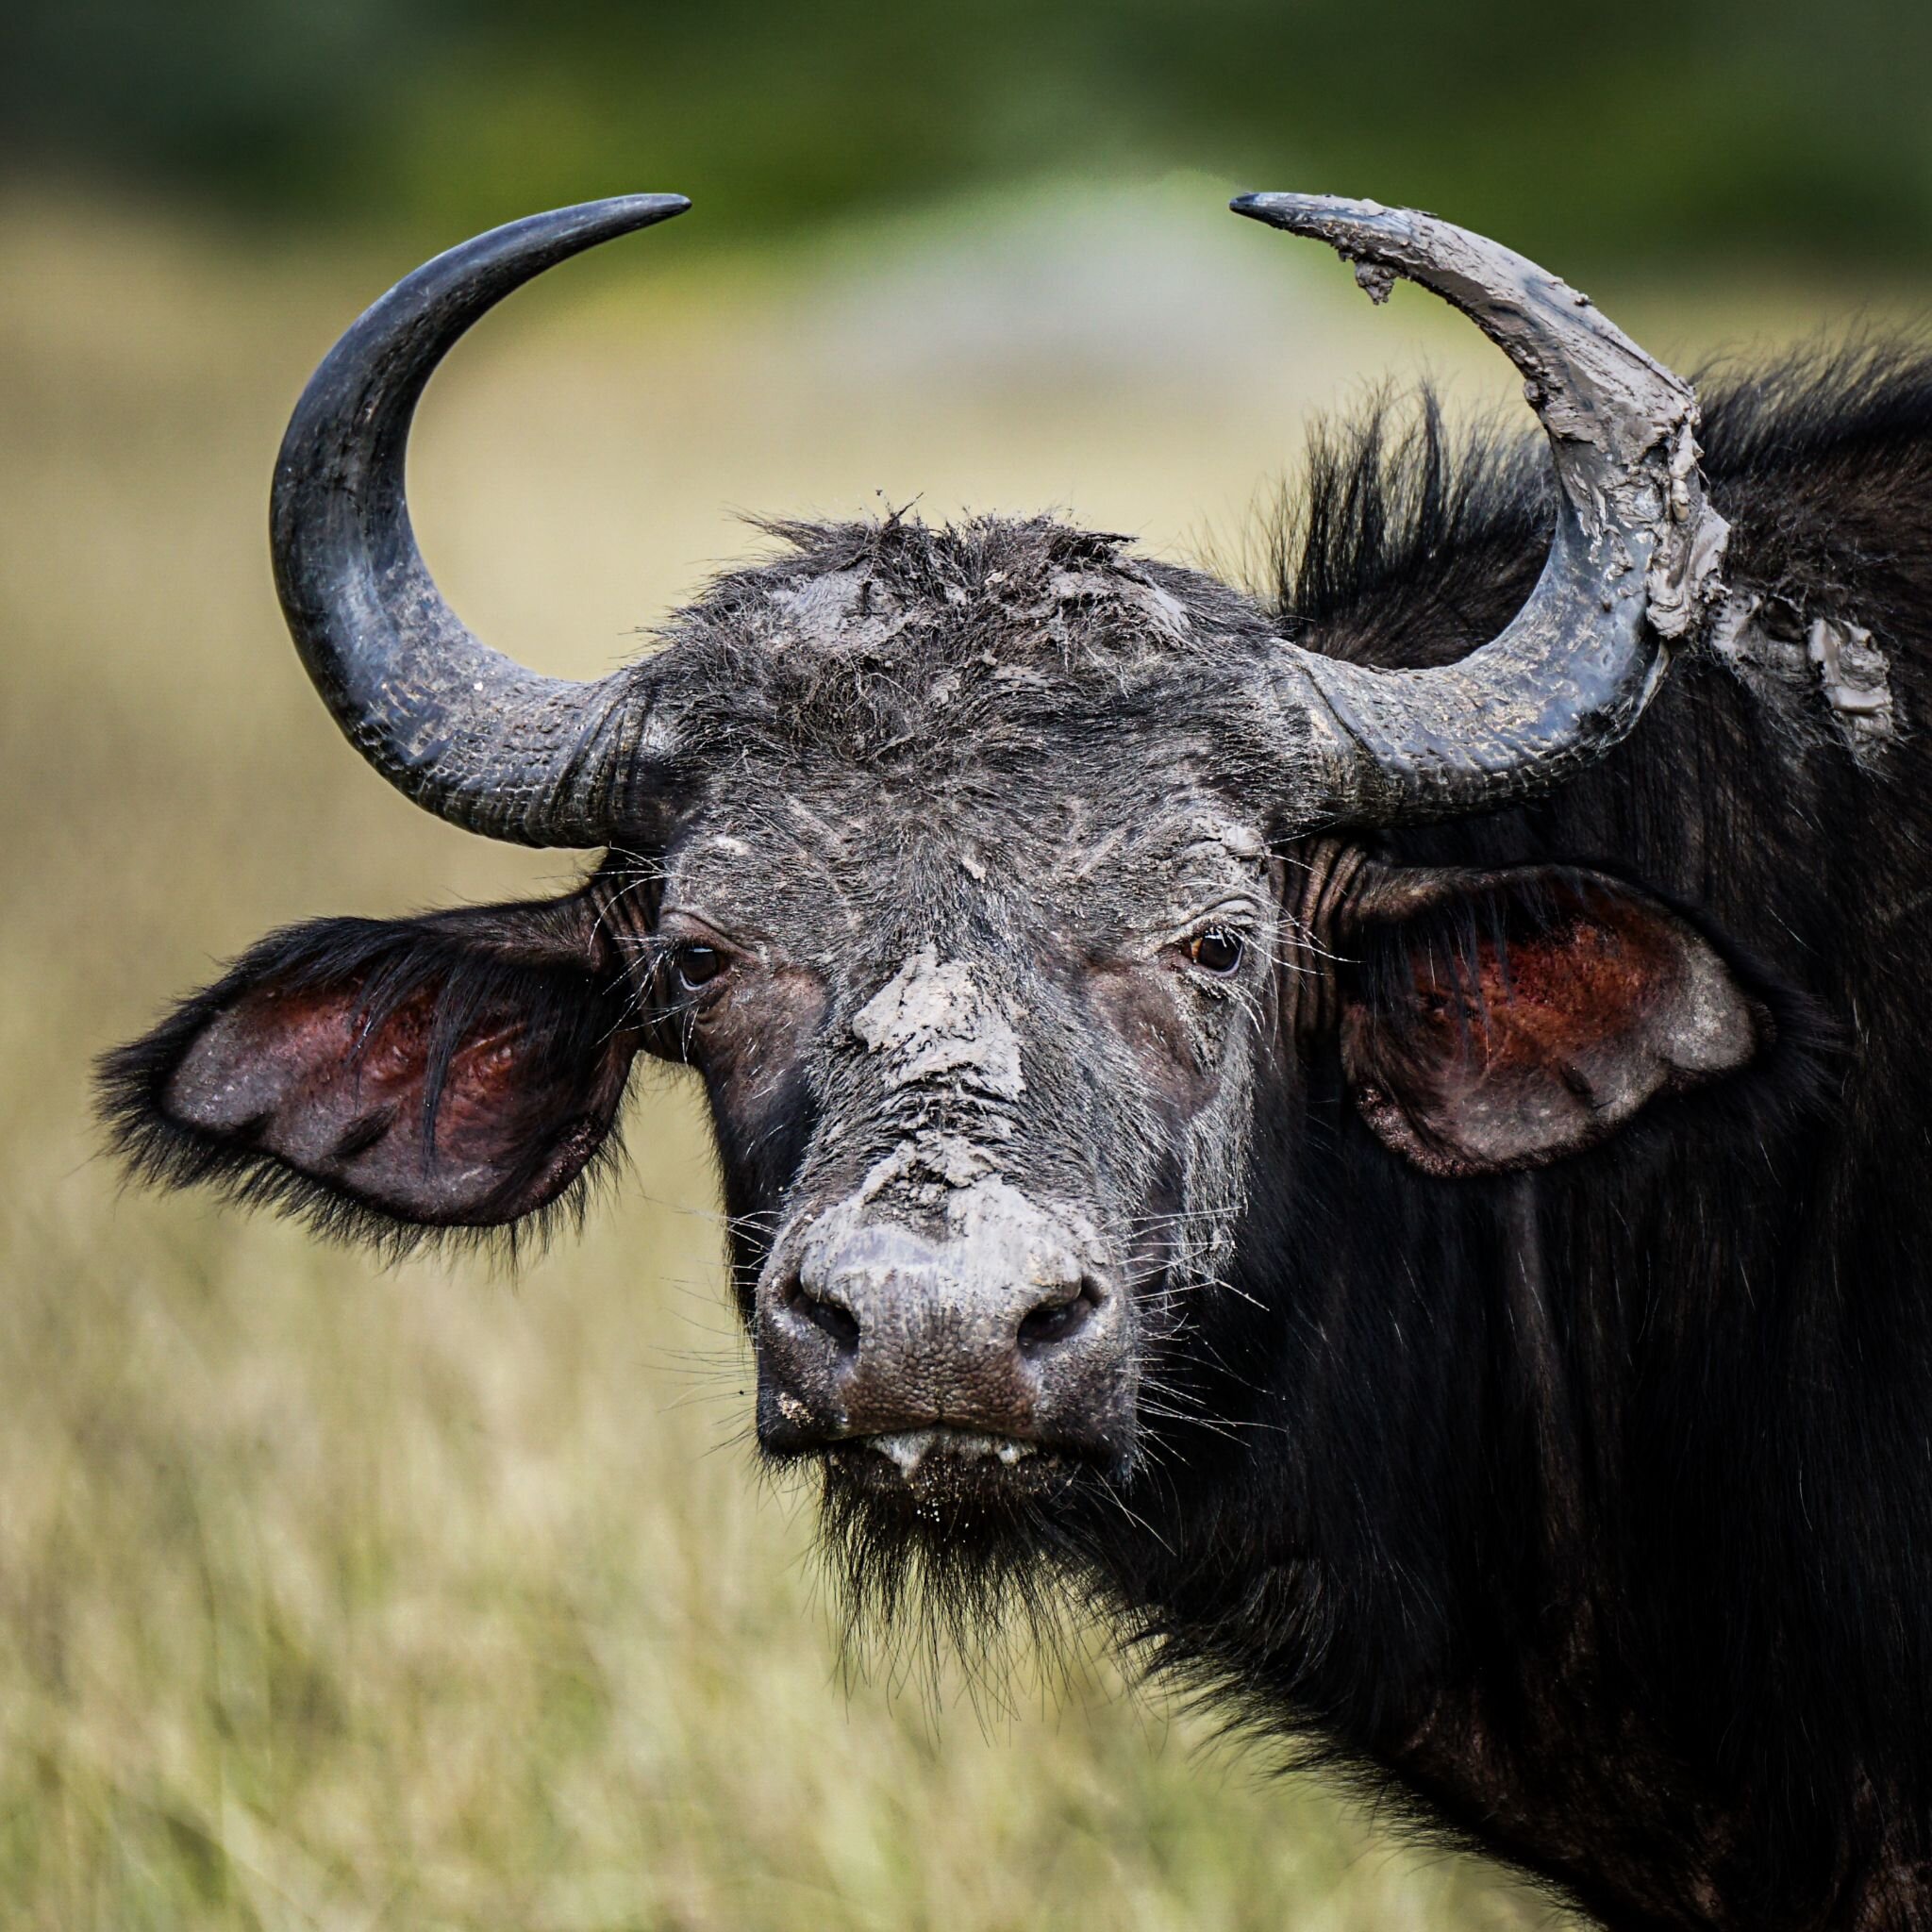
<point>1493,1021</point>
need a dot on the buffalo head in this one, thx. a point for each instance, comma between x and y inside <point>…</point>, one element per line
<point>998,883</point>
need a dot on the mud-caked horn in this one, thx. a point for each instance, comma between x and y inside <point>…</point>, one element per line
<point>1632,562</point>
<point>466,732</point>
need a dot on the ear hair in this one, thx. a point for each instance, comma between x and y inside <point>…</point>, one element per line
<point>434,980</point>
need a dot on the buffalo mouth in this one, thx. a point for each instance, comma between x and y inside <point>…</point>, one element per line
<point>941,1471</point>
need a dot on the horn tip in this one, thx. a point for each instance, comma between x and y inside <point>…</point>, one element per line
<point>1311,214</point>
<point>642,209</point>
<point>1255,206</point>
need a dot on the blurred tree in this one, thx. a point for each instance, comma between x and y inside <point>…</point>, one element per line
<point>1768,128</point>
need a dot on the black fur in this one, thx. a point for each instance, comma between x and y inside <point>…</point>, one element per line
<point>1590,1512</point>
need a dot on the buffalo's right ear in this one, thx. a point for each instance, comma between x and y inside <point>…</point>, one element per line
<point>389,1078</point>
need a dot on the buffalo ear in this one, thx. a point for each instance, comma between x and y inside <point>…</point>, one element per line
<point>387,1076</point>
<point>1494,1020</point>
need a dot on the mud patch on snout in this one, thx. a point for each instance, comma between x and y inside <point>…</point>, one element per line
<point>933,1022</point>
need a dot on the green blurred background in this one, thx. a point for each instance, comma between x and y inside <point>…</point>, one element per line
<point>336,1597</point>
<point>1769,128</point>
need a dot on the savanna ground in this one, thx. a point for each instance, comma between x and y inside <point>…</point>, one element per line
<point>337,1597</point>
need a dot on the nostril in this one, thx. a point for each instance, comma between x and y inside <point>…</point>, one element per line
<point>1056,1321</point>
<point>835,1320</point>
<point>841,1324</point>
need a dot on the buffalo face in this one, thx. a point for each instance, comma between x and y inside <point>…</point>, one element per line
<point>983,1083</point>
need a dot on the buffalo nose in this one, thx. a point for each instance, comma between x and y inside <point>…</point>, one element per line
<point>880,1330</point>
<point>887,1278</point>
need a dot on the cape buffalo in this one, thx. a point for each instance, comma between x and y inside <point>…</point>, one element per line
<point>1376,1130</point>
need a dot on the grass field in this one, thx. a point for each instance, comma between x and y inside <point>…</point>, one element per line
<point>332,1597</point>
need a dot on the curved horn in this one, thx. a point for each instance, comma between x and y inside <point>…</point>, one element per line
<point>1634,558</point>
<point>463,731</point>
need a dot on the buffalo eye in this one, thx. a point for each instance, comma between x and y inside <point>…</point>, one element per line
<point>1217,950</point>
<point>697,966</point>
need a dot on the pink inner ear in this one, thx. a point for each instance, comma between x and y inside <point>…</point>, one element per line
<point>301,1074</point>
<point>1516,1052</point>
<point>1549,1000</point>
<point>484,1096</point>
<point>323,1050</point>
